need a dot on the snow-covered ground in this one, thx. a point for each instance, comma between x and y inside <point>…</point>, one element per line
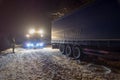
<point>49,64</point>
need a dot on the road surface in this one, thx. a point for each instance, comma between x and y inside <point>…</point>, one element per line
<point>49,64</point>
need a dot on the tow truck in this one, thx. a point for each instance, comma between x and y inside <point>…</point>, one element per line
<point>34,39</point>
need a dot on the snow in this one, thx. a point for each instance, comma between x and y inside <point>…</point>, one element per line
<point>49,64</point>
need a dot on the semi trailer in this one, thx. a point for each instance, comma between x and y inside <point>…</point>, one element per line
<point>93,29</point>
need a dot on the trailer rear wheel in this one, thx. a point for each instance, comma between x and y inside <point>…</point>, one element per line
<point>62,48</point>
<point>68,51</point>
<point>77,52</point>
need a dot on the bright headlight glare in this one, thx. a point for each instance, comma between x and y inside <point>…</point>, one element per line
<point>32,31</point>
<point>27,35</point>
<point>40,31</point>
<point>32,45</point>
<point>39,44</point>
<point>29,45</point>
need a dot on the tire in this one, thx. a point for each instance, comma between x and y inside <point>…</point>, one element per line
<point>68,51</point>
<point>77,52</point>
<point>62,48</point>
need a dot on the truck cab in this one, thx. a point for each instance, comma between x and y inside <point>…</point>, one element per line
<point>34,39</point>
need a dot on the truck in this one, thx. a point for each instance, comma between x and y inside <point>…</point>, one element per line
<point>34,39</point>
<point>93,29</point>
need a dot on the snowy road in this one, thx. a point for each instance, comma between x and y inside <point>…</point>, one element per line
<point>49,64</point>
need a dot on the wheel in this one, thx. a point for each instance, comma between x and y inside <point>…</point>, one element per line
<point>77,52</point>
<point>68,51</point>
<point>62,48</point>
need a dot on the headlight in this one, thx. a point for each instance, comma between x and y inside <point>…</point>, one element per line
<point>32,31</point>
<point>40,32</point>
<point>27,35</point>
<point>29,45</point>
<point>40,44</point>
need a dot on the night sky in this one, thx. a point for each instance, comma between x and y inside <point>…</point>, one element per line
<point>18,16</point>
